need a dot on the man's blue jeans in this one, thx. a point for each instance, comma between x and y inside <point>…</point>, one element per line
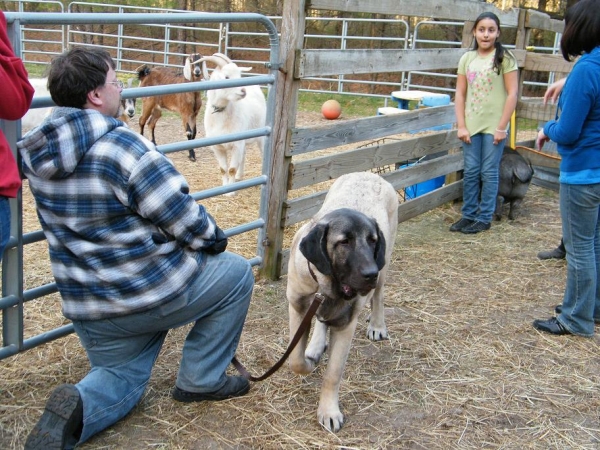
<point>480,181</point>
<point>123,350</point>
<point>580,214</point>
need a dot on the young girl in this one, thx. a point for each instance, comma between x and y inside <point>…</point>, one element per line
<point>486,96</point>
<point>577,136</point>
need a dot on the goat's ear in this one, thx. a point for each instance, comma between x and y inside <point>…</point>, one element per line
<point>380,248</point>
<point>314,248</point>
<point>245,69</point>
<point>187,70</point>
<point>204,70</point>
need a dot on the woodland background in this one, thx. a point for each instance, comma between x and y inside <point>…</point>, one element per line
<point>245,37</point>
<point>554,8</point>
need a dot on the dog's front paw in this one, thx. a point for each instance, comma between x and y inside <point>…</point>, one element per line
<point>330,419</point>
<point>314,353</point>
<point>303,366</point>
<point>377,333</point>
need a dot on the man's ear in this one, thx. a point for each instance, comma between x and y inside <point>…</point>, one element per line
<point>93,98</point>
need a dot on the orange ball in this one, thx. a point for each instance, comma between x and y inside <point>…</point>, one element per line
<point>331,109</point>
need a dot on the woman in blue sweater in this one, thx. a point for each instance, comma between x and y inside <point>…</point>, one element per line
<point>577,134</point>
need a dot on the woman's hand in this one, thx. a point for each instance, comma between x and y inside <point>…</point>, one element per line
<point>463,135</point>
<point>499,135</point>
<point>553,91</point>
<point>541,139</point>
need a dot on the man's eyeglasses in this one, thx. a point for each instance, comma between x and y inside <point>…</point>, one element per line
<point>118,83</point>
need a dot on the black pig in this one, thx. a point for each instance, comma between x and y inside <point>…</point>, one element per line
<point>514,178</point>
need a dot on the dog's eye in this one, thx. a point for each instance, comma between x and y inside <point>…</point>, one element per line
<point>372,240</point>
<point>344,242</point>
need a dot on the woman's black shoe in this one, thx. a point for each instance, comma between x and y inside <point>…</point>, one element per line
<point>476,227</point>
<point>552,326</point>
<point>462,223</point>
<point>557,253</point>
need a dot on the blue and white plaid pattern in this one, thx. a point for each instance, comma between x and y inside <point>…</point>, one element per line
<point>124,233</point>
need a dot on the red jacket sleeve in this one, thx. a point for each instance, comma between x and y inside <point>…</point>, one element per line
<point>15,90</point>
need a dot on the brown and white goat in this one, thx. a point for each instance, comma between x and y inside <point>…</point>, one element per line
<point>127,105</point>
<point>187,104</point>
<point>232,110</point>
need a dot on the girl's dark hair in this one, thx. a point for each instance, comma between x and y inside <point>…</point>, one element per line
<point>582,29</point>
<point>76,72</point>
<point>500,50</point>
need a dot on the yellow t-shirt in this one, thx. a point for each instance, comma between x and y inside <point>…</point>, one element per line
<point>486,93</point>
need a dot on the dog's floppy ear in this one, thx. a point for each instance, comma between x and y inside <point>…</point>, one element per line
<point>314,248</point>
<point>380,248</point>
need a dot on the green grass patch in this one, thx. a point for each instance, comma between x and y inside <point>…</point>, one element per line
<point>527,124</point>
<point>36,70</point>
<point>352,105</point>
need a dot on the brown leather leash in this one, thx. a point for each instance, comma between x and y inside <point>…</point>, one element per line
<point>317,301</point>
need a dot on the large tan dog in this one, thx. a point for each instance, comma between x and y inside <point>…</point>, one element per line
<point>343,253</point>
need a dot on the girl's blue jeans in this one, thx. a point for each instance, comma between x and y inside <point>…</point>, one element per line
<point>123,350</point>
<point>580,214</point>
<point>480,180</point>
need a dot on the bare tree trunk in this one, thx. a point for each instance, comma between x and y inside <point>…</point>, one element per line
<point>542,5</point>
<point>376,29</point>
<point>252,5</point>
<point>182,33</point>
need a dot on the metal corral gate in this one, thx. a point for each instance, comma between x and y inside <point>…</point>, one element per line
<point>13,296</point>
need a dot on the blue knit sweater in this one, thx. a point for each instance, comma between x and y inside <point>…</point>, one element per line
<point>123,231</point>
<point>577,131</point>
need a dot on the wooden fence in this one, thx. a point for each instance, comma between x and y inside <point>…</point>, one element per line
<point>291,172</point>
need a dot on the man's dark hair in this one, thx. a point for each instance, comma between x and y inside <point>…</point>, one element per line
<point>76,72</point>
<point>582,29</point>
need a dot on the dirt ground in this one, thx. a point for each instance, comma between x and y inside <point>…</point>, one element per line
<point>463,368</point>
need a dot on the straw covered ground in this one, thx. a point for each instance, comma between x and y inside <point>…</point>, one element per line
<point>463,368</point>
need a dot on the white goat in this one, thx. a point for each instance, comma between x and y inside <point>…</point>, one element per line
<point>35,116</point>
<point>187,104</point>
<point>232,110</point>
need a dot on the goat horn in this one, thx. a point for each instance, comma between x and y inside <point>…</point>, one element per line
<point>216,60</point>
<point>222,56</point>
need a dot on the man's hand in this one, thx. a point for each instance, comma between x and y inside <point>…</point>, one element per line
<point>219,245</point>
